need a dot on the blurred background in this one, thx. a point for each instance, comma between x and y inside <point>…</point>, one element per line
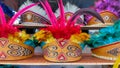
<point>15,4</point>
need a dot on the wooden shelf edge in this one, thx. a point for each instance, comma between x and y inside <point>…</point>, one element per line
<point>87,59</point>
<point>57,63</point>
<point>44,26</point>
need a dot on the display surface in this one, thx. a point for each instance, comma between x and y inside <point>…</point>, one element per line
<point>86,59</point>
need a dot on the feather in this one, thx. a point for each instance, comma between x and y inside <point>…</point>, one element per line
<point>84,11</point>
<point>68,8</point>
<point>62,15</point>
<point>112,6</point>
<point>5,29</point>
<point>2,17</point>
<point>60,4</point>
<point>107,35</point>
<point>49,12</point>
<point>60,32</point>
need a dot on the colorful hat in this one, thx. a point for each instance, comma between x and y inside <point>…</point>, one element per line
<point>106,43</point>
<point>109,11</point>
<point>62,41</point>
<point>34,15</point>
<point>13,43</point>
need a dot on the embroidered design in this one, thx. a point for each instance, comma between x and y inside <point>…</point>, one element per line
<point>61,57</point>
<point>16,50</point>
<point>3,42</point>
<point>114,51</point>
<point>73,51</point>
<point>2,55</point>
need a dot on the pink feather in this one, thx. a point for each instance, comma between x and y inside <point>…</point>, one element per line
<point>49,12</point>
<point>62,15</point>
<point>2,17</point>
<point>8,28</point>
<point>58,28</point>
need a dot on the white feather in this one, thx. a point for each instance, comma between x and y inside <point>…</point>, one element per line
<point>68,8</point>
<point>37,9</point>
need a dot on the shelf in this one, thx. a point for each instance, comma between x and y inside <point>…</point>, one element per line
<point>87,59</point>
<point>92,27</point>
<point>43,26</point>
<point>30,26</point>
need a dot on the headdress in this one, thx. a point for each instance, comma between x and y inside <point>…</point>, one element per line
<point>61,41</point>
<point>35,15</point>
<point>12,40</point>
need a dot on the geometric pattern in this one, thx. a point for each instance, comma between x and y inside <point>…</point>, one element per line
<point>3,42</point>
<point>114,51</point>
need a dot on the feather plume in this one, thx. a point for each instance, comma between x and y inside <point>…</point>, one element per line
<point>68,8</point>
<point>106,5</point>
<point>107,35</point>
<point>49,12</point>
<point>2,17</point>
<point>70,28</point>
<point>84,11</point>
<point>8,28</point>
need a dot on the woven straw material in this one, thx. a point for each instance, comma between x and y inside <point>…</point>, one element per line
<point>62,51</point>
<point>10,50</point>
<point>109,51</point>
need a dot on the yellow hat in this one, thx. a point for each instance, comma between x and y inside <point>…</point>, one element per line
<point>62,51</point>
